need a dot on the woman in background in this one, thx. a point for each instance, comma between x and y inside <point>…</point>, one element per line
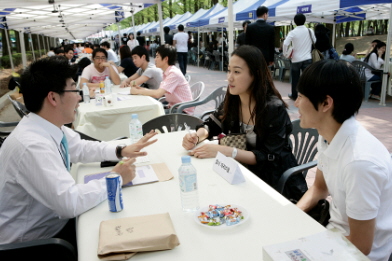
<point>346,54</point>
<point>126,66</point>
<point>375,59</point>
<point>254,107</point>
<point>132,42</point>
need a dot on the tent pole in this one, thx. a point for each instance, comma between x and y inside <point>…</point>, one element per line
<point>333,34</point>
<point>161,23</point>
<point>198,46</point>
<point>39,46</point>
<point>9,49</point>
<point>231,26</point>
<point>386,64</point>
<point>223,50</point>
<point>31,45</point>
<point>23,49</point>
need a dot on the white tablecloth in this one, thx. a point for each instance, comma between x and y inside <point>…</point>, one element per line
<point>109,122</point>
<point>273,219</point>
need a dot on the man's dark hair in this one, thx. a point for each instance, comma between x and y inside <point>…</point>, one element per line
<point>43,76</point>
<point>51,48</point>
<point>95,46</point>
<point>299,19</point>
<point>58,50</point>
<point>105,44</point>
<point>100,50</point>
<point>180,28</point>
<point>245,23</point>
<point>344,87</point>
<point>166,29</point>
<point>168,51</point>
<point>140,51</point>
<point>261,10</point>
<point>86,45</point>
<point>376,41</point>
<point>67,49</point>
<point>138,33</point>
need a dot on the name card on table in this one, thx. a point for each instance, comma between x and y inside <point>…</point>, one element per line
<point>228,169</point>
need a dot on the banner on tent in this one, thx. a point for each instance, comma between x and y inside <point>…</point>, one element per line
<point>221,20</point>
<point>119,15</point>
<point>304,9</point>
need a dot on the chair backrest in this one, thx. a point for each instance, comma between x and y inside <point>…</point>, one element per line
<point>171,122</point>
<point>360,67</point>
<point>217,96</point>
<point>19,107</point>
<point>304,142</point>
<point>287,64</point>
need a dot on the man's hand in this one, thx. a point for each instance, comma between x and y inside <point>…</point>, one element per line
<point>105,64</point>
<point>126,169</point>
<point>136,90</point>
<point>134,150</point>
<point>124,84</point>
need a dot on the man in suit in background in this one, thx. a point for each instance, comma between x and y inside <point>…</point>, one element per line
<point>262,35</point>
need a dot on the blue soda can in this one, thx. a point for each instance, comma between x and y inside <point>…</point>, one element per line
<point>113,184</point>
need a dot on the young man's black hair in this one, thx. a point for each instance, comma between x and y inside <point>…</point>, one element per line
<point>140,51</point>
<point>168,51</point>
<point>100,50</point>
<point>261,10</point>
<point>299,19</point>
<point>105,44</point>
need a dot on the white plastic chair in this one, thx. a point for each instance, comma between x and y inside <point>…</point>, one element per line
<point>196,90</point>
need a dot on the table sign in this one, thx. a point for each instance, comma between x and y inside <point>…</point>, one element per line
<point>228,169</point>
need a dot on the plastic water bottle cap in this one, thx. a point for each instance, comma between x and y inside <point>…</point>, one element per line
<point>107,77</point>
<point>134,116</point>
<point>186,159</point>
<point>84,84</point>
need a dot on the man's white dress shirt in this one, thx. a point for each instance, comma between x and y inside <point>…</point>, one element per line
<point>302,43</point>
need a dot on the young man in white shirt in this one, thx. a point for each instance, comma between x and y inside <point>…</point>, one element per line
<point>180,41</point>
<point>353,167</point>
<point>148,75</point>
<point>38,194</point>
<point>112,56</point>
<point>301,39</point>
<point>98,70</point>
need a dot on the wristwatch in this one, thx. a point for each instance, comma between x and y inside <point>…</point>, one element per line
<point>234,153</point>
<point>119,149</point>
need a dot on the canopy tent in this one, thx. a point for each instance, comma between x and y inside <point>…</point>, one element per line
<point>154,24</point>
<point>197,15</point>
<point>172,21</point>
<point>206,17</point>
<point>138,28</point>
<point>250,12</point>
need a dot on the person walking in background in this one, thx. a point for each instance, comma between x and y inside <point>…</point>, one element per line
<point>375,59</point>
<point>241,39</point>
<point>168,37</point>
<point>262,35</point>
<point>301,40</point>
<point>346,54</point>
<point>132,42</point>
<point>180,41</point>
<point>140,39</point>
<point>322,43</point>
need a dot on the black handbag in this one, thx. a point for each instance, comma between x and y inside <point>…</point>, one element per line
<point>320,212</point>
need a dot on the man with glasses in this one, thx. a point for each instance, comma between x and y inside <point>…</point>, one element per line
<point>98,70</point>
<point>39,197</point>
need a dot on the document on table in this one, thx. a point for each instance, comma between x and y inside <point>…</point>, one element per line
<point>144,174</point>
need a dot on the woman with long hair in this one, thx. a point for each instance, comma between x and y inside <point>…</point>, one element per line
<point>254,107</point>
<point>375,59</point>
<point>346,54</point>
<point>126,66</point>
<point>132,42</point>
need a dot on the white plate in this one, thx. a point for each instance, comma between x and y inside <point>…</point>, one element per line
<point>245,214</point>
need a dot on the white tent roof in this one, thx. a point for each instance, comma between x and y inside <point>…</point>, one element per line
<point>81,18</point>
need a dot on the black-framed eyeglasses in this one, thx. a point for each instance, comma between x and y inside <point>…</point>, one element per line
<point>76,90</point>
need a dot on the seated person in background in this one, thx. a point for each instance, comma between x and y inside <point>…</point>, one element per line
<point>346,54</point>
<point>126,66</point>
<point>354,168</point>
<point>87,48</point>
<point>148,75</point>
<point>98,70</point>
<point>375,59</point>
<point>253,106</point>
<point>83,63</point>
<point>59,51</point>
<point>69,54</point>
<point>174,85</point>
<point>96,46</point>
<point>372,45</point>
<point>39,197</point>
<point>112,56</point>
<point>51,52</point>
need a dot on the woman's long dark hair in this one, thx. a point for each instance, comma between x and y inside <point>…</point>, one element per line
<point>125,52</point>
<point>348,49</point>
<point>261,89</point>
<point>378,46</point>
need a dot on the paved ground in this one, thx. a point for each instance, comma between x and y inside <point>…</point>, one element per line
<point>375,118</point>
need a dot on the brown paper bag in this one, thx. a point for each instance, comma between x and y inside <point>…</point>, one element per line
<point>120,239</point>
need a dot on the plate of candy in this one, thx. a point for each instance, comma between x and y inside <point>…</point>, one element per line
<point>221,216</point>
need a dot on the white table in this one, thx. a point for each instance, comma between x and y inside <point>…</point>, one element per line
<point>109,122</point>
<point>273,219</point>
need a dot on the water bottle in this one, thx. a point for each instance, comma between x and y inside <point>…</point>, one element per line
<point>188,185</point>
<point>86,93</point>
<point>108,85</point>
<point>135,129</point>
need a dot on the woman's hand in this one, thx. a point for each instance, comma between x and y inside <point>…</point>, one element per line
<point>209,151</point>
<point>190,140</point>
<point>134,150</point>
